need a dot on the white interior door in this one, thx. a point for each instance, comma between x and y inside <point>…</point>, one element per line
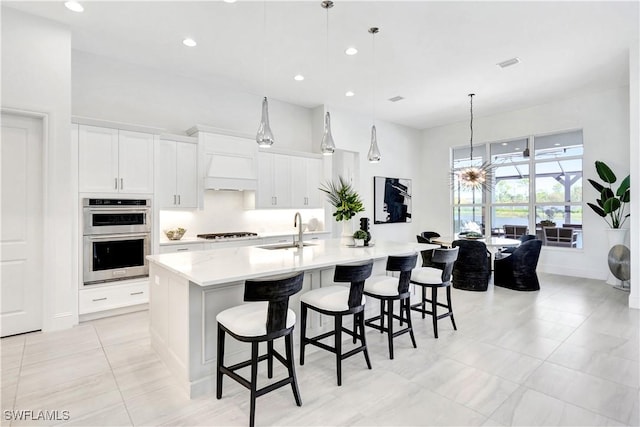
<point>22,224</point>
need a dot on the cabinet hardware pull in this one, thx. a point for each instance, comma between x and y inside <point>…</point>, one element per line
<point>178,199</point>
<point>182,249</point>
<point>121,183</point>
<point>100,299</point>
<point>174,199</point>
<point>115,183</point>
<point>136,293</point>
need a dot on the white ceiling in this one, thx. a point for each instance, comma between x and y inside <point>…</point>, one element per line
<point>431,53</point>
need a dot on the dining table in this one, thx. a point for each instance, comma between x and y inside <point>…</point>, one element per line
<point>494,243</point>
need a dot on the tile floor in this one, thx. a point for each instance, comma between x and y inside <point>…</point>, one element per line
<point>567,355</point>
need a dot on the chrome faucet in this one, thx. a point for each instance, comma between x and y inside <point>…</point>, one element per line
<point>297,222</point>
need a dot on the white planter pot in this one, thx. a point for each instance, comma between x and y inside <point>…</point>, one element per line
<point>615,236</point>
<point>346,238</point>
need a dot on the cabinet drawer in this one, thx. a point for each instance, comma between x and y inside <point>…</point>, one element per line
<point>113,296</point>
<point>186,247</point>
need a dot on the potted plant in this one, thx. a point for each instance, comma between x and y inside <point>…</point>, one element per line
<point>359,237</point>
<point>347,203</point>
<point>611,206</point>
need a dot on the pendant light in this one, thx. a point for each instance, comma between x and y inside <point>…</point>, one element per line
<point>474,177</point>
<point>264,137</point>
<point>526,152</point>
<point>374,151</point>
<point>327,146</point>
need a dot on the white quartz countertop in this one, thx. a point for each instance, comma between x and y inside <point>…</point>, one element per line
<point>225,265</point>
<point>192,239</point>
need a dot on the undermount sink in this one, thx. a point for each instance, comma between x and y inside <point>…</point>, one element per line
<point>285,246</point>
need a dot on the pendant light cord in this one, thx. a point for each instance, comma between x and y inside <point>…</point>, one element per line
<point>373,81</point>
<point>471,127</point>
<point>264,51</point>
<point>326,58</point>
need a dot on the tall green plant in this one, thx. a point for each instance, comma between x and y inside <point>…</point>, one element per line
<point>611,206</point>
<point>344,198</point>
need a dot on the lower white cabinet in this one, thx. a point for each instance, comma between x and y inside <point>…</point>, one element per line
<point>112,296</point>
<point>183,247</point>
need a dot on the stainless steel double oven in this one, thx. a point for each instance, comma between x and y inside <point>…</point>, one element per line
<point>116,239</point>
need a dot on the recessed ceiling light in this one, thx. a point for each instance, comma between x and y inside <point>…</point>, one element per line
<point>229,1</point>
<point>189,42</point>
<point>351,51</point>
<point>349,93</point>
<point>508,62</point>
<point>504,143</point>
<point>298,77</point>
<point>557,144</point>
<point>74,6</point>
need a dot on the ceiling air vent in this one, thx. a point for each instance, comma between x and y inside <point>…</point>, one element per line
<point>508,62</point>
<point>396,98</point>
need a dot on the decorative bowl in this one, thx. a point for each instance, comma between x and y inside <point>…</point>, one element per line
<point>175,233</point>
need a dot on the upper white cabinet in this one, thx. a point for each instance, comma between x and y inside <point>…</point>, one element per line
<point>306,177</point>
<point>274,181</point>
<point>288,181</point>
<point>177,174</point>
<point>115,161</point>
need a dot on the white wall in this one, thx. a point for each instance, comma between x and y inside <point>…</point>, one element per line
<point>604,118</point>
<point>117,91</point>
<point>36,76</point>
<point>634,148</point>
<point>400,148</point>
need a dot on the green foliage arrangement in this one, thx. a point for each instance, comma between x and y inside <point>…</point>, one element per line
<point>360,234</point>
<point>344,198</point>
<point>611,206</point>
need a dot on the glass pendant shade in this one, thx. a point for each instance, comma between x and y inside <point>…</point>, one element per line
<point>264,137</point>
<point>327,147</point>
<point>374,151</point>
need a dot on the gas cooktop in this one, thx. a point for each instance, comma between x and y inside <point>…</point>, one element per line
<point>229,235</point>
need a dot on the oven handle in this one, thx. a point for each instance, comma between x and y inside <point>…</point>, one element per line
<point>117,210</point>
<point>118,236</point>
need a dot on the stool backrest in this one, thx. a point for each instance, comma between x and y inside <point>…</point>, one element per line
<point>276,290</point>
<point>355,274</point>
<point>404,264</point>
<point>444,259</point>
<point>422,239</point>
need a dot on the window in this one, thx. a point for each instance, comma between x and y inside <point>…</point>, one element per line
<point>543,189</point>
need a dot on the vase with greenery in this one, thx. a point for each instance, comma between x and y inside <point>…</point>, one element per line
<point>611,205</point>
<point>347,202</point>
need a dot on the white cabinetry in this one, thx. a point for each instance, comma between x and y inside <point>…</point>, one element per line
<point>177,174</point>
<point>113,296</point>
<point>115,161</point>
<point>182,247</point>
<point>274,181</point>
<point>306,177</point>
<point>288,181</point>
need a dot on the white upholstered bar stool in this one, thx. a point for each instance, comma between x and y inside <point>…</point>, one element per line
<point>437,265</point>
<point>389,289</point>
<point>266,318</point>
<point>338,301</point>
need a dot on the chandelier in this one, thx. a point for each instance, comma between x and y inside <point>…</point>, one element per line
<point>473,177</point>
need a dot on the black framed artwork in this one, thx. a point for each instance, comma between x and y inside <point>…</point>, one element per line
<point>391,200</point>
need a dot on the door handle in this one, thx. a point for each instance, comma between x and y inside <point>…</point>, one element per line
<point>174,199</point>
<point>121,183</point>
<point>99,299</point>
<point>178,199</point>
<point>136,293</point>
<point>115,183</point>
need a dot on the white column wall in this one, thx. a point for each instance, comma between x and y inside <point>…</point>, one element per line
<point>36,77</point>
<point>634,148</point>
<point>604,118</point>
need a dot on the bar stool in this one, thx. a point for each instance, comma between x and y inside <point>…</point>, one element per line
<point>389,289</point>
<point>338,301</point>
<point>266,318</point>
<point>435,273</point>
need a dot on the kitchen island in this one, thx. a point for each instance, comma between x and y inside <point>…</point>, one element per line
<point>187,290</point>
